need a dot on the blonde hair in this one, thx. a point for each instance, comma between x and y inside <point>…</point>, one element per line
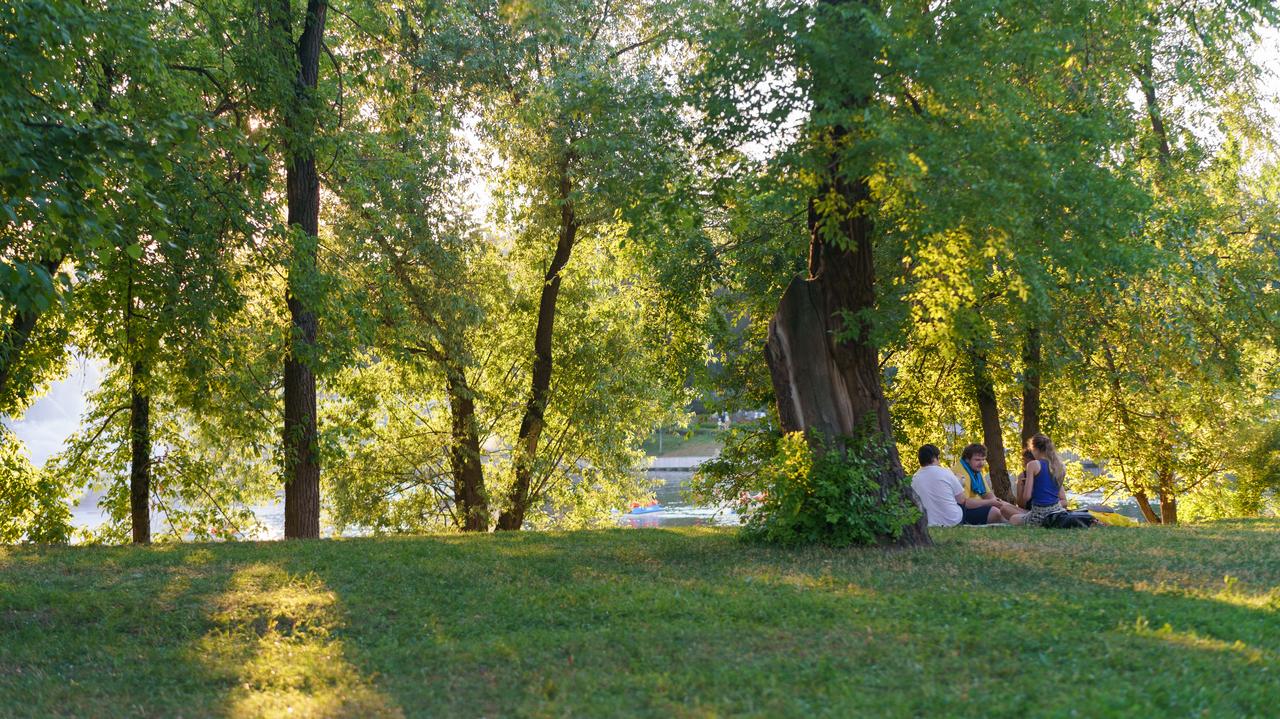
<point>1042,444</point>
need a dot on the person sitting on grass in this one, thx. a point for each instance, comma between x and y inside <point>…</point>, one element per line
<point>943,498</point>
<point>973,459</point>
<point>1044,489</point>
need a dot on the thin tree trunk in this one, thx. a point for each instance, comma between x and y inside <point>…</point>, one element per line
<point>533,421</point>
<point>464,454</point>
<point>1146,78</point>
<point>992,435</point>
<point>302,467</point>
<point>1144,504</point>
<point>469,494</point>
<point>140,453</point>
<point>1031,368</point>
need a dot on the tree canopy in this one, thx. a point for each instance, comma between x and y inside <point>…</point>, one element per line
<point>421,267</point>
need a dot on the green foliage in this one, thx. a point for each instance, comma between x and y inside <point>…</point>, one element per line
<point>831,498</point>
<point>554,120</point>
<point>31,501</point>
<point>1018,178</point>
<point>206,475</point>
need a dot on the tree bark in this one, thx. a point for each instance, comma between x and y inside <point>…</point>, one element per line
<point>469,494</point>
<point>533,421</point>
<point>1144,505</point>
<point>1168,497</point>
<point>1168,508</point>
<point>992,434</point>
<point>824,367</point>
<point>140,453</point>
<point>825,370</point>
<point>1031,367</point>
<point>302,467</point>
<point>464,454</point>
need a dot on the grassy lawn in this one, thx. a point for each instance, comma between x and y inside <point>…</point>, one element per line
<point>700,441</point>
<point>683,623</point>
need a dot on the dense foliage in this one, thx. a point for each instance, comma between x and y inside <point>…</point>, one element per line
<point>791,495</point>
<point>448,266</point>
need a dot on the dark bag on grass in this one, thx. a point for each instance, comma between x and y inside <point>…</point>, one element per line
<point>1067,519</point>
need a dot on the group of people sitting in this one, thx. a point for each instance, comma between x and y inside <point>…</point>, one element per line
<point>949,500</point>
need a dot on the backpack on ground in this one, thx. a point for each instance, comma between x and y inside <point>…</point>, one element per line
<point>1069,519</point>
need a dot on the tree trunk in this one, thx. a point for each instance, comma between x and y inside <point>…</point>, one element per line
<point>1168,508</point>
<point>1168,499</point>
<point>15,338</point>
<point>826,374</point>
<point>1144,504</point>
<point>140,454</point>
<point>302,467</point>
<point>1031,366</point>
<point>992,435</point>
<point>1146,78</point>
<point>533,421</point>
<point>464,454</point>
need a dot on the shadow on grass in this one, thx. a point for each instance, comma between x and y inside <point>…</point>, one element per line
<point>647,623</point>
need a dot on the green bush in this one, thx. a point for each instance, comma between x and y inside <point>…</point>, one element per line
<point>793,496</point>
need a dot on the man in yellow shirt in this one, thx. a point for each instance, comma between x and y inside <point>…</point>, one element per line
<point>973,459</point>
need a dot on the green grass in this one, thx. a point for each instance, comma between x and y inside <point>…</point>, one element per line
<point>662,623</point>
<point>701,441</point>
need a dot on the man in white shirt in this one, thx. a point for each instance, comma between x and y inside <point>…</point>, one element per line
<point>943,497</point>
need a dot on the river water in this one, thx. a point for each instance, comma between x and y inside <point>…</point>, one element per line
<point>677,510</point>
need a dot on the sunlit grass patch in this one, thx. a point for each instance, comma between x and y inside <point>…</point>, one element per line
<point>274,633</point>
<point>656,623</point>
<point>1190,639</point>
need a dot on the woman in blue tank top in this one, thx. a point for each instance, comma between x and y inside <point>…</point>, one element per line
<point>1044,492</point>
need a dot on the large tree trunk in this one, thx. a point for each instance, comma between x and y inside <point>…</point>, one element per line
<point>1144,505</point>
<point>464,454</point>
<point>533,421</point>
<point>1031,366</point>
<point>302,467</point>
<point>140,454</point>
<point>992,434</point>
<point>826,374</point>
